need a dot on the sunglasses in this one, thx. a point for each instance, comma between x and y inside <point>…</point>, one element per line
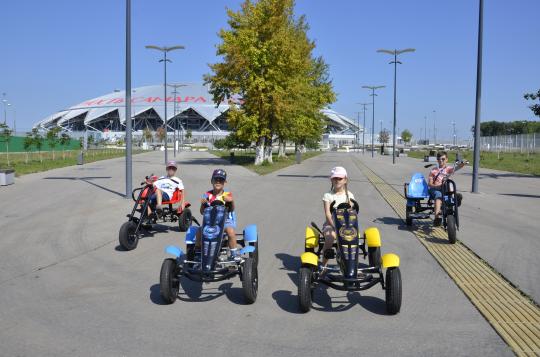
<point>337,178</point>
<point>219,180</point>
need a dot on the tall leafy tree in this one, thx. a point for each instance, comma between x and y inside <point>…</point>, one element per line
<point>27,144</point>
<point>64,140</point>
<point>37,139</point>
<point>406,136</point>
<point>534,107</point>
<point>5,136</point>
<point>52,138</point>
<point>267,61</point>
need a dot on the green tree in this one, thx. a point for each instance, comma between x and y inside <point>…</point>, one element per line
<point>534,107</point>
<point>147,134</point>
<point>27,144</point>
<point>64,140</point>
<point>52,138</point>
<point>231,141</point>
<point>406,136</point>
<point>5,136</point>
<point>267,62</point>
<point>37,139</point>
<point>91,140</point>
<point>189,134</point>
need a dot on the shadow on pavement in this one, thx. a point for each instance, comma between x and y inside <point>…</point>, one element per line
<point>520,195</point>
<point>88,180</point>
<point>322,301</point>
<point>503,175</point>
<point>209,161</point>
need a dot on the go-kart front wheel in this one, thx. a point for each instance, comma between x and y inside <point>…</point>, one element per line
<point>184,221</point>
<point>128,237</point>
<point>393,290</point>
<point>169,281</point>
<point>451,228</point>
<point>250,280</point>
<point>305,289</point>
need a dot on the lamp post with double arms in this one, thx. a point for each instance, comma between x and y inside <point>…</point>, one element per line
<point>175,93</point>
<point>373,89</point>
<point>395,62</point>
<point>165,50</point>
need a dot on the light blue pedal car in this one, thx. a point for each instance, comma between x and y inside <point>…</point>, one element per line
<point>211,263</point>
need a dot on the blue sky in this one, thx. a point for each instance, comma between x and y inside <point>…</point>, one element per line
<point>57,53</point>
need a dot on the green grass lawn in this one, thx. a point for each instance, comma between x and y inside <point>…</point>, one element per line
<point>246,159</point>
<point>44,161</point>
<point>505,161</point>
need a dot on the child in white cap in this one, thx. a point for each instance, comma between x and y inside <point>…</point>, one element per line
<point>338,194</point>
<point>165,187</point>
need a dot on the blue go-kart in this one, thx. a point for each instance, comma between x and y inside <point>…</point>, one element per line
<point>211,263</point>
<point>421,206</point>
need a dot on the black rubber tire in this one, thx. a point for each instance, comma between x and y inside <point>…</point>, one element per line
<point>305,293</point>
<point>127,237</point>
<point>393,290</point>
<point>255,254</point>
<point>169,282</point>
<point>374,256</point>
<point>408,219</point>
<point>250,280</point>
<point>451,229</point>
<point>185,219</point>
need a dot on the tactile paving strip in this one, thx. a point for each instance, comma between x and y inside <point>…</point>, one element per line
<point>514,316</point>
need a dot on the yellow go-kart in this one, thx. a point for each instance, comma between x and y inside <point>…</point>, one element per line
<point>348,274</point>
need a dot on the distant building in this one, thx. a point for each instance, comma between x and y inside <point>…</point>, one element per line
<point>191,108</point>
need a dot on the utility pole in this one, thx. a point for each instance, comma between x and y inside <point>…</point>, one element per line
<point>175,93</point>
<point>373,88</point>
<point>434,128</point>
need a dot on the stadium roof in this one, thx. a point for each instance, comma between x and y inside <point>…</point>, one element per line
<point>144,99</point>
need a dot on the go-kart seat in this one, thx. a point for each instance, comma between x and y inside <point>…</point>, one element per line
<point>418,187</point>
<point>177,197</point>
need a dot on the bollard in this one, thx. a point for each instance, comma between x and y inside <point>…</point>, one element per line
<point>298,157</point>
<point>80,158</point>
<point>6,177</point>
<point>232,157</point>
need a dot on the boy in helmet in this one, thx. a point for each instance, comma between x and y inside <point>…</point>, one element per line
<point>165,187</point>
<point>218,180</point>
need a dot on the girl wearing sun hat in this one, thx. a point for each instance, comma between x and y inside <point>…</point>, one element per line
<point>338,193</point>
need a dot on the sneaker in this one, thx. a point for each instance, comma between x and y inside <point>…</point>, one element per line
<point>159,211</point>
<point>235,255</point>
<point>437,222</point>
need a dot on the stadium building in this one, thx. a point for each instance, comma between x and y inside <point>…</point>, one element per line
<point>189,108</point>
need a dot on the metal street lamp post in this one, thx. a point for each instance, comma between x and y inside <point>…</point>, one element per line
<point>127,101</point>
<point>476,156</point>
<point>175,92</point>
<point>395,53</point>
<point>364,127</point>
<point>373,88</point>
<point>165,50</point>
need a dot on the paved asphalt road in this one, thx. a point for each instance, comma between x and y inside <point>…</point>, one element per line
<point>66,288</point>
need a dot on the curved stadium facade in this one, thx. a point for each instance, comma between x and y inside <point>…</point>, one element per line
<point>189,108</point>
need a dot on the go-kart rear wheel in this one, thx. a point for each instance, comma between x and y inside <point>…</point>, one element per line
<point>255,254</point>
<point>408,218</point>
<point>169,281</point>
<point>127,236</point>
<point>393,290</point>
<point>374,256</point>
<point>184,221</point>
<point>250,280</point>
<point>451,228</point>
<point>305,290</point>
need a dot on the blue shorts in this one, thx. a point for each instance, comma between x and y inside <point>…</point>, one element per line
<point>230,221</point>
<point>435,193</point>
<point>153,198</point>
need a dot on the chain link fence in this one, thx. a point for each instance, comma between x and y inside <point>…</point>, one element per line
<point>522,143</point>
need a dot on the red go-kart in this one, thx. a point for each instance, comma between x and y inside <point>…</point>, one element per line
<point>138,219</point>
